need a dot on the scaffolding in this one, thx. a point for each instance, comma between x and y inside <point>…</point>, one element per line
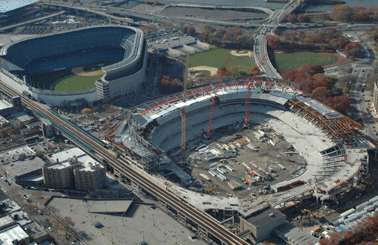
<point>338,128</point>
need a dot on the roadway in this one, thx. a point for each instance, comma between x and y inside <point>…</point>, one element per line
<point>31,21</point>
<point>260,47</point>
<point>142,180</point>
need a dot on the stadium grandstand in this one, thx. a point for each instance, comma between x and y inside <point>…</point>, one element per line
<point>331,143</point>
<point>17,11</point>
<point>121,50</point>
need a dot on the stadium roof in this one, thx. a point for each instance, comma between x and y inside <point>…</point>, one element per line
<point>9,5</point>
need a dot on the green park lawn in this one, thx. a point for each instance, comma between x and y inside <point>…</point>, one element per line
<point>292,61</point>
<point>217,57</point>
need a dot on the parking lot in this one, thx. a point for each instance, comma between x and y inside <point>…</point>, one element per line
<point>141,222</point>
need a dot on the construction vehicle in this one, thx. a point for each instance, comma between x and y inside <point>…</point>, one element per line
<point>316,232</point>
<point>208,191</point>
<point>305,211</point>
<point>314,215</point>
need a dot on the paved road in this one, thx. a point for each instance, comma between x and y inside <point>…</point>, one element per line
<point>268,28</point>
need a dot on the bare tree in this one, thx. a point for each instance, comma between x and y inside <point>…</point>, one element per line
<point>68,223</point>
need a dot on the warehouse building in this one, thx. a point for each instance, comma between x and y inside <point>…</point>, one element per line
<point>261,223</point>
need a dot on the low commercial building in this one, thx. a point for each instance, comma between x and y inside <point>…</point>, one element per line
<point>36,232</point>
<point>23,168</point>
<point>6,221</point>
<point>6,108</point>
<point>262,223</point>
<point>74,168</point>
<point>47,128</point>
<point>3,122</point>
<point>14,235</point>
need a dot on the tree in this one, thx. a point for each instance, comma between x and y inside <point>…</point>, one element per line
<point>68,223</point>
<point>339,103</point>
<point>86,111</point>
<point>255,70</point>
<point>192,31</point>
<point>273,41</point>
<point>207,28</point>
<point>321,93</point>
<point>342,13</point>
<point>303,18</point>
<point>184,29</point>
<point>39,154</point>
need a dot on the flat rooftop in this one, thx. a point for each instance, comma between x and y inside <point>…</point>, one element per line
<point>16,152</point>
<point>264,216</point>
<point>7,236</point>
<point>82,158</point>
<point>4,104</point>
<point>109,206</point>
<point>9,5</point>
<point>19,168</point>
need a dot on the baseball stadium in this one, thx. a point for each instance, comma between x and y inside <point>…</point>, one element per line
<point>319,152</point>
<point>102,62</point>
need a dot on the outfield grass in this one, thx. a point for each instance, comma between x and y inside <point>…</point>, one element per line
<point>63,80</point>
<point>286,62</point>
<point>76,83</point>
<point>217,58</point>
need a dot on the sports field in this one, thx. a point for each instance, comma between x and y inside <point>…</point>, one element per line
<point>292,61</point>
<point>217,57</point>
<point>66,80</point>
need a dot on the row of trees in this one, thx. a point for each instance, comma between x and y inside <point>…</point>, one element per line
<point>226,38</point>
<point>323,39</point>
<point>364,233</point>
<point>293,18</point>
<point>189,30</point>
<point>345,13</point>
<point>314,84</point>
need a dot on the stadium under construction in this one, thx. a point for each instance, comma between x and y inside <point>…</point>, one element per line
<point>331,152</point>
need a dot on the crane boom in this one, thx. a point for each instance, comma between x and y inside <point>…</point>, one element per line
<point>213,99</point>
<point>183,119</point>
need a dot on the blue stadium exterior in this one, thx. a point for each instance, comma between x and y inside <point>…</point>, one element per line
<point>123,46</point>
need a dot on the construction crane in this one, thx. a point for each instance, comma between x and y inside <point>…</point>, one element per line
<point>208,191</point>
<point>222,70</point>
<point>248,93</point>
<point>183,126</point>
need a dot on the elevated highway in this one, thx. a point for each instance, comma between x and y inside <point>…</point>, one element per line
<point>205,226</point>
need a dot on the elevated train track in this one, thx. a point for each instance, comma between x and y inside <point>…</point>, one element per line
<point>184,212</point>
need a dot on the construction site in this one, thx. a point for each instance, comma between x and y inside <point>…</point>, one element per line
<point>234,148</point>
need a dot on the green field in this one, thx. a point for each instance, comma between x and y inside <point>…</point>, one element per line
<point>217,58</point>
<point>287,62</point>
<point>65,80</point>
